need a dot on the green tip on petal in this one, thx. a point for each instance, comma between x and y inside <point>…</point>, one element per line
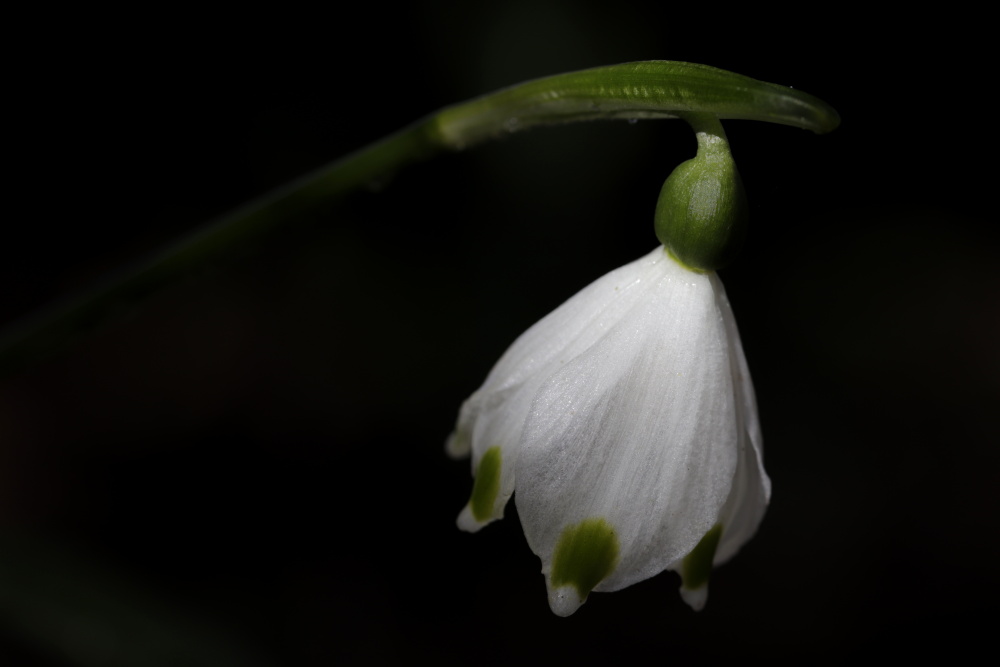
<point>487,486</point>
<point>697,568</point>
<point>480,509</point>
<point>586,553</point>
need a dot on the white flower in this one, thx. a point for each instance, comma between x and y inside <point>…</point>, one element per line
<point>626,422</point>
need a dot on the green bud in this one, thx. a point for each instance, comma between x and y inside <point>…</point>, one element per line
<point>701,216</point>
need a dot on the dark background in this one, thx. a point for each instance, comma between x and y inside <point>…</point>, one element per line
<point>248,469</point>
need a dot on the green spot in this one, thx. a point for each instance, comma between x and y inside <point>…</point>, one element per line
<point>697,565</point>
<point>487,485</point>
<point>586,554</point>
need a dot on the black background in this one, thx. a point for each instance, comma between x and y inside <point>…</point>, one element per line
<point>249,468</point>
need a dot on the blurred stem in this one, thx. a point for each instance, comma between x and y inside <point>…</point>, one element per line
<point>654,89</point>
<point>75,610</point>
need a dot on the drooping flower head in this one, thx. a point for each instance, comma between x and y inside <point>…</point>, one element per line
<point>624,423</point>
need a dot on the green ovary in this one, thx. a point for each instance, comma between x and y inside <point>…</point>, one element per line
<point>487,485</point>
<point>586,554</point>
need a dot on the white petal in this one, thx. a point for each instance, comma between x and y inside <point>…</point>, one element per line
<point>495,414</point>
<point>751,490</point>
<point>638,429</point>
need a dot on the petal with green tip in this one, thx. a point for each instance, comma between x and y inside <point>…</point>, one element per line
<point>626,422</point>
<point>585,555</point>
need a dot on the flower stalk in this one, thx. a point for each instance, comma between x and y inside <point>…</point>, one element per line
<point>641,90</point>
